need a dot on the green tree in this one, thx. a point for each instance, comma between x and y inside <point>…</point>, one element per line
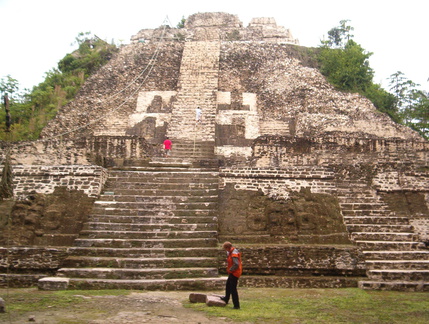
<point>10,86</point>
<point>347,68</point>
<point>383,101</point>
<point>31,111</point>
<point>419,114</point>
<point>339,36</point>
<point>181,23</point>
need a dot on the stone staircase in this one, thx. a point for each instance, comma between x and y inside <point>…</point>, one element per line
<point>274,127</point>
<point>394,258</point>
<point>151,228</point>
<point>186,153</point>
<point>198,84</point>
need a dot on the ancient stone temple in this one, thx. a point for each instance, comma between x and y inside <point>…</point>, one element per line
<point>315,186</point>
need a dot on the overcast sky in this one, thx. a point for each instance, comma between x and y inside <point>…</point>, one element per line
<point>36,34</point>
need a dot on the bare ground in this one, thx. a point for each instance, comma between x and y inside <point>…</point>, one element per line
<point>137,307</point>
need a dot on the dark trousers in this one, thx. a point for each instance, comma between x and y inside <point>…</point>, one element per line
<point>231,290</point>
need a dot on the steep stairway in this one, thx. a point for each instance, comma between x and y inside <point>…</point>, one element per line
<point>198,86</point>
<point>152,228</point>
<point>188,153</point>
<point>394,257</point>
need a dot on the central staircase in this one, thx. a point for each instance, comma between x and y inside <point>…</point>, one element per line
<point>152,228</point>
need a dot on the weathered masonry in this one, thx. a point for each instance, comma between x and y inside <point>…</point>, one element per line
<point>315,186</point>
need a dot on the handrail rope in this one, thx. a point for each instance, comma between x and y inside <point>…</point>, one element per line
<point>150,63</point>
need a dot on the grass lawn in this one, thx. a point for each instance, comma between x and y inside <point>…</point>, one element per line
<point>350,305</point>
<point>258,305</point>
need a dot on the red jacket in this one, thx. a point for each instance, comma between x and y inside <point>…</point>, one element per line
<point>237,269</point>
<point>167,144</point>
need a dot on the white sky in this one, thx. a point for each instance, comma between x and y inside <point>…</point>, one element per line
<point>36,34</point>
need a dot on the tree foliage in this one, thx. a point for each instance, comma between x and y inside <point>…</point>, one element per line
<point>339,36</point>
<point>411,104</point>
<point>181,23</point>
<point>31,110</point>
<point>346,66</point>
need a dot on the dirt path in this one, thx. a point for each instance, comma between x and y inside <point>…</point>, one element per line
<point>145,307</point>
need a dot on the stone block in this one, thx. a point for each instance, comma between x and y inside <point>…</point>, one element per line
<point>53,283</point>
<point>2,305</point>
<point>197,298</point>
<point>215,301</point>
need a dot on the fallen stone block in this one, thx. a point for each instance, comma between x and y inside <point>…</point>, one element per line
<point>197,298</point>
<point>215,301</point>
<point>2,305</point>
<point>53,283</point>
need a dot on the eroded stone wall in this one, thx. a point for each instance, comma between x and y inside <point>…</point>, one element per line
<point>294,171</point>
<point>28,264</point>
<point>340,149</point>
<point>302,260</point>
<point>304,218</point>
<point>219,26</point>
<point>95,150</point>
<point>28,179</point>
<point>24,266</point>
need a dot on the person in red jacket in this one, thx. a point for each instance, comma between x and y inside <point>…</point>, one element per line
<point>167,147</point>
<point>234,269</point>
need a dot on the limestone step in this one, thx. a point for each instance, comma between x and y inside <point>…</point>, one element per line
<point>380,228</point>
<point>191,284</point>
<point>121,170</point>
<point>137,263</point>
<point>124,171</point>
<point>366,213</point>
<point>138,274</point>
<point>398,264</point>
<point>392,220</point>
<point>399,285</point>
<point>147,235</point>
<point>147,197</point>
<point>163,186</point>
<point>299,281</point>
<point>398,275</point>
<point>137,181</point>
<point>211,163</point>
<point>161,205</point>
<point>173,177</point>
<point>153,212</point>
<point>396,255</point>
<point>98,226</point>
<point>382,236</point>
<point>196,149</point>
<point>389,245</point>
<point>146,243</point>
<point>161,192</point>
<point>371,205</point>
<point>357,198</point>
<point>144,252</point>
<point>155,198</point>
<point>152,219</point>
<point>197,146</point>
<point>163,162</point>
